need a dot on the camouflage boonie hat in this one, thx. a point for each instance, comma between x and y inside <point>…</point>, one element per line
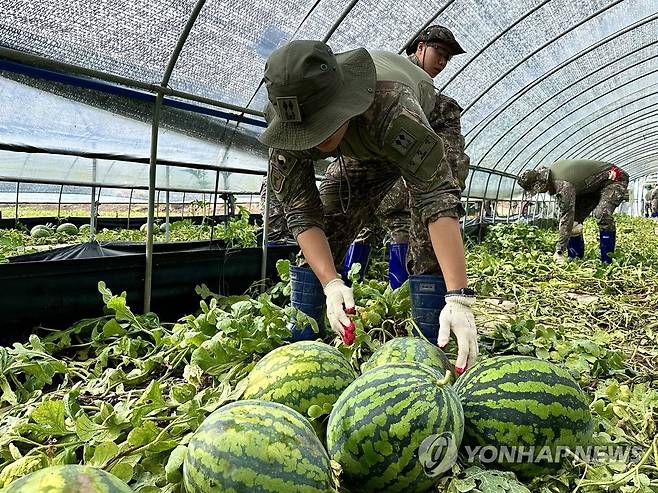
<point>436,34</point>
<point>534,181</point>
<point>312,92</point>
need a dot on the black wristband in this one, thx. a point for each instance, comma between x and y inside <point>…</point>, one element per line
<point>461,292</point>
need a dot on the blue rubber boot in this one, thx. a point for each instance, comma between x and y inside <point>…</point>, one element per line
<point>397,264</point>
<point>427,301</point>
<point>576,247</point>
<point>607,239</point>
<point>358,252</point>
<point>306,295</point>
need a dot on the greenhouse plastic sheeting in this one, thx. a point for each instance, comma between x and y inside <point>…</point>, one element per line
<point>541,80</point>
<point>29,116</point>
<point>71,169</point>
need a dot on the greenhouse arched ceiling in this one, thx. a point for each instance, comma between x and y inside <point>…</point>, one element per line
<point>541,80</point>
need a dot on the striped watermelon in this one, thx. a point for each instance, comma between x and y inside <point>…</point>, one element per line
<point>379,425</point>
<point>411,349</point>
<point>68,228</point>
<point>301,375</point>
<point>68,479</point>
<point>514,401</point>
<point>41,231</point>
<point>257,447</point>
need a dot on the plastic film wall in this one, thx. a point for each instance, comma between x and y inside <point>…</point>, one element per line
<point>542,80</point>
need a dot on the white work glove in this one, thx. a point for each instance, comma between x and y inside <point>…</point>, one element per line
<point>339,301</point>
<point>577,229</point>
<point>559,258</point>
<point>457,317</point>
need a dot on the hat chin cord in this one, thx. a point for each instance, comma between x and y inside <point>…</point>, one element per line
<point>342,167</point>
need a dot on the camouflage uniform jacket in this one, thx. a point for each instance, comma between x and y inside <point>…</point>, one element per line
<point>445,120</point>
<point>393,132</point>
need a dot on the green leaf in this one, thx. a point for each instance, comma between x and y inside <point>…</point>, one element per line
<point>464,485</point>
<point>5,360</point>
<point>123,470</point>
<point>175,464</point>
<point>489,481</point>
<point>143,435</point>
<point>8,394</point>
<point>35,342</point>
<point>152,394</point>
<point>15,453</point>
<point>22,467</point>
<point>211,357</point>
<point>542,353</point>
<point>182,393</point>
<point>204,292</point>
<point>50,416</point>
<point>66,456</point>
<point>103,454</point>
<point>113,329</point>
<point>71,405</point>
<point>94,433</point>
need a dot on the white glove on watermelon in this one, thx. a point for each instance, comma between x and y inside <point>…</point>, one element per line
<point>339,301</point>
<point>559,258</point>
<point>457,317</point>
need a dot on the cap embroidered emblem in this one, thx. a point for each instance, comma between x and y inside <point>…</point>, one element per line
<point>288,109</point>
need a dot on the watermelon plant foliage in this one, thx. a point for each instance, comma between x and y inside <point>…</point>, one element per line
<point>125,392</point>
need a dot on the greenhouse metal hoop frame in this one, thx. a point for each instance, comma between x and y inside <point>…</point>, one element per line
<point>161,90</point>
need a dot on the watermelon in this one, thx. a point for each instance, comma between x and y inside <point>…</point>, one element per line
<point>68,479</point>
<point>144,227</point>
<point>40,231</point>
<point>301,375</point>
<point>410,349</point>
<point>84,229</point>
<point>519,401</point>
<point>257,447</point>
<point>382,423</point>
<point>68,228</point>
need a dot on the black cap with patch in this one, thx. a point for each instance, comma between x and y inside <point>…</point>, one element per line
<point>436,34</point>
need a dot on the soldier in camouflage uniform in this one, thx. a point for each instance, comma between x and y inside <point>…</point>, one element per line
<point>431,50</point>
<point>582,187</point>
<point>368,109</point>
<point>647,201</point>
<point>654,202</point>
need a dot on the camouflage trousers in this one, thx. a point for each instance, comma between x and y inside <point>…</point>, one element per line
<point>352,198</point>
<point>602,204</point>
<point>647,208</point>
<point>278,227</point>
<point>394,217</point>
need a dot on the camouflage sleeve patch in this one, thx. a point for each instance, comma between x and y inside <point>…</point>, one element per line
<point>419,155</point>
<point>280,166</point>
<point>403,142</point>
<point>292,179</point>
<point>414,148</point>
